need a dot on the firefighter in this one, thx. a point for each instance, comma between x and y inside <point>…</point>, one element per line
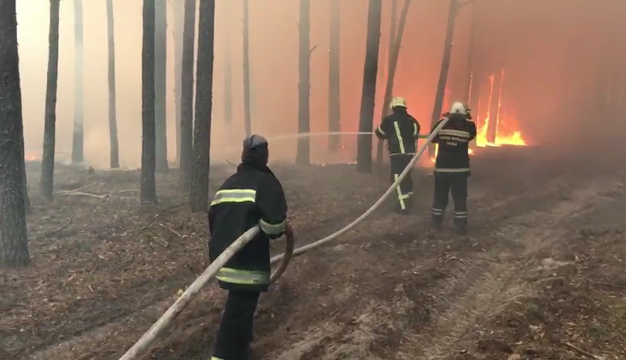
<point>452,166</point>
<point>401,131</point>
<point>253,195</point>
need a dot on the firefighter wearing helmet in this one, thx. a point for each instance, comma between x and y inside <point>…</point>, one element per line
<point>452,166</point>
<point>252,196</point>
<point>401,131</point>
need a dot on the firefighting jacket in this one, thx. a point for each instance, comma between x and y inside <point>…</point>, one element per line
<point>400,130</point>
<point>453,145</point>
<point>252,196</point>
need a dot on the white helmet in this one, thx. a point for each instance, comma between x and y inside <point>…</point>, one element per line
<point>458,108</point>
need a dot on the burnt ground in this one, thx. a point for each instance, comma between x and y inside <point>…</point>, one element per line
<point>540,277</point>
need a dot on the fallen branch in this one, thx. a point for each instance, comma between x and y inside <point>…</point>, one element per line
<point>581,351</point>
<point>79,193</point>
<point>173,231</point>
<point>54,232</point>
<point>608,284</point>
<point>154,219</point>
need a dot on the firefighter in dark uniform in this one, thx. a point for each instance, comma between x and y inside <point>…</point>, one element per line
<point>253,195</point>
<point>401,131</point>
<point>452,166</point>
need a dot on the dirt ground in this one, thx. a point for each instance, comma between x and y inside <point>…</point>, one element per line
<point>540,276</point>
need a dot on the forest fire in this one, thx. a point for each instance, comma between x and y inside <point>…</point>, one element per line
<point>506,127</point>
<point>31,157</point>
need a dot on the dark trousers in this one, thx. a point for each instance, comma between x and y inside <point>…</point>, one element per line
<point>457,185</point>
<point>235,333</point>
<point>405,190</point>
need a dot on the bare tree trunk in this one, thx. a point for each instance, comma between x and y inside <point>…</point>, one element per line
<point>495,106</point>
<point>114,146</point>
<point>186,116</point>
<point>179,18</point>
<point>47,160</point>
<point>469,83</point>
<point>395,44</point>
<point>303,153</point>
<point>445,67</point>
<point>13,236</point>
<point>160,93</point>
<point>148,143</point>
<point>334,76</point>
<point>228,80</point>
<point>199,196</point>
<point>368,95</point>
<point>246,68</point>
<point>77,143</point>
<point>27,207</point>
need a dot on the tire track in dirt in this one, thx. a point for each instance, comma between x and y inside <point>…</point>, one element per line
<point>492,280</point>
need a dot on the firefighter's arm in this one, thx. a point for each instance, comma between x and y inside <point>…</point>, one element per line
<point>471,129</point>
<point>416,128</point>
<point>271,201</point>
<point>381,130</point>
<point>436,138</point>
<point>211,219</point>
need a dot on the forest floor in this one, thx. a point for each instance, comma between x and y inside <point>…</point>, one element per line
<point>541,275</point>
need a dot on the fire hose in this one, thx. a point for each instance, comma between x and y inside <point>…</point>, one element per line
<point>150,336</point>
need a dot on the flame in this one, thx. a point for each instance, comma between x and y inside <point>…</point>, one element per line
<point>31,157</point>
<point>506,125</point>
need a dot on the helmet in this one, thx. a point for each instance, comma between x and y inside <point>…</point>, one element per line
<point>458,108</point>
<point>255,150</point>
<point>397,102</point>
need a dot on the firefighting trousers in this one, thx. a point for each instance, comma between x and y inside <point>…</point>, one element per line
<point>457,185</point>
<point>405,190</point>
<point>235,332</point>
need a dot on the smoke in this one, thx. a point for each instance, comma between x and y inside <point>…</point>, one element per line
<point>561,57</point>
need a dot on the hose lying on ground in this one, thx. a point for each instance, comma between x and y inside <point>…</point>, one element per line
<point>159,327</point>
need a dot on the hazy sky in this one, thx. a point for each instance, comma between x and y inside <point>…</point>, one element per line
<point>545,43</point>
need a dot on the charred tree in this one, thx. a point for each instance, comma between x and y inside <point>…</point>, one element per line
<point>148,142</point>
<point>247,115</point>
<point>228,80</point>
<point>186,91</point>
<point>13,238</point>
<point>495,106</point>
<point>395,43</point>
<point>78,137</point>
<point>114,156</point>
<point>303,152</point>
<point>49,135</point>
<point>160,75</point>
<point>27,207</point>
<point>469,81</point>
<point>368,95</point>
<point>199,195</point>
<point>445,67</point>
<point>334,76</point>
<point>179,17</point>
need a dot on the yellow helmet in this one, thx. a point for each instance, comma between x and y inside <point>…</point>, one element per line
<point>397,102</point>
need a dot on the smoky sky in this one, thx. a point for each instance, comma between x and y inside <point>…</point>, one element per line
<point>552,51</point>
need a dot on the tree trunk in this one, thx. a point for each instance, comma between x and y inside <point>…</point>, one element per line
<point>334,76</point>
<point>470,84</point>
<point>27,207</point>
<point>77,143</point>
<point>114,146</point>
<point>303,152</point>
<point>246,68</point>
<point>445,67</point>
<point>495,106</point>
<point>228,81</point>
<point>368,95</point>
<point>13,239</point>
<point>395,43</point>
<point>199,195</point>
<point>47,160</point>
<point>148,143</point>
<point>160,75</point>
<point>179,18</point>
<point>186,115</point>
